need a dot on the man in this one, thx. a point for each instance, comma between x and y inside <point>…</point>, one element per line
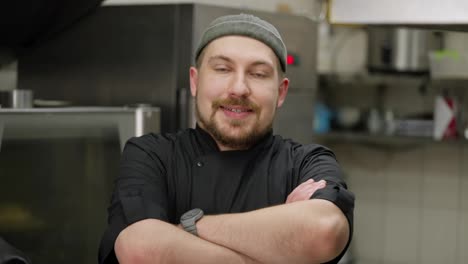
<point>229,191</point>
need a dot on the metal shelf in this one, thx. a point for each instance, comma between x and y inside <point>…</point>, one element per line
<point>381,140</point>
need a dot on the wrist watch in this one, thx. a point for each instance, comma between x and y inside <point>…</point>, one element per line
<point>189,218</point>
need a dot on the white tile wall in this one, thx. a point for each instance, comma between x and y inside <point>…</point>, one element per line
<point>441,176</point>
<point>402,235</point>
<point>361,167</point>
<point>403,199</point>
<point>463,216</point>
<point>463,238</point>
<point>366,171</point>
<point>464,180</point>
<point>438,236</point>
<point>405,175</point>
<point>369,231</point>
<point>411,204</point>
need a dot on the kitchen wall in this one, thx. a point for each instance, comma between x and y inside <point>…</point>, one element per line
<point>411,195</point>
<point>411,201</point>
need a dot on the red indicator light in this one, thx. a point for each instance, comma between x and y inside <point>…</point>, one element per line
<point>290,60</point>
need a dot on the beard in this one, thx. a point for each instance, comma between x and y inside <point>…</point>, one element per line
<point>247,135</point>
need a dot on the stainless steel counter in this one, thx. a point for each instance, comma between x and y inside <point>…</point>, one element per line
<point>72,122</point>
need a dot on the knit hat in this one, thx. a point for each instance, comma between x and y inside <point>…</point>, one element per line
<point>245,25</point>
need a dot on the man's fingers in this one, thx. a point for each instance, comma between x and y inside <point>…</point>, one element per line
<point>305,190</point>
<point>311,182</point>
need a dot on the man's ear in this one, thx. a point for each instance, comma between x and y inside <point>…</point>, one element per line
<point>283,91</point>
<point>193,81</point>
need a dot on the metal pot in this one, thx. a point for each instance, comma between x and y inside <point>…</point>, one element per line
<point>16,99</point>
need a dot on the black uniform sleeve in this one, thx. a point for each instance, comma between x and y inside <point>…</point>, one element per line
<point>140,190</point>
<point>319,163</point>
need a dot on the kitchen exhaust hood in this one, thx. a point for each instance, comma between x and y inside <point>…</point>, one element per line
<point>428,14</point>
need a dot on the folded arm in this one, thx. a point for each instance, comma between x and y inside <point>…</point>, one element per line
<point>300,231</point>
<point>154,241</point>
<point>311,231</point>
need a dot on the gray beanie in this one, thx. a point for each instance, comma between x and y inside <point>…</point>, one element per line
<point>245,25</point>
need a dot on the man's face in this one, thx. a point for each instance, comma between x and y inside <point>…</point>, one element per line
<point>237,89</point>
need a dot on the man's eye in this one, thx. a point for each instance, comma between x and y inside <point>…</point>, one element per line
<point>221,69</point>
<point>258,75</point>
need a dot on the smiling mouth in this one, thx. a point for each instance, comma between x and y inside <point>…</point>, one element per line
<point>236,110</point>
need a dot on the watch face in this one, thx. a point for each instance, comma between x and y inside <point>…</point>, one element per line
<point>191,214</point>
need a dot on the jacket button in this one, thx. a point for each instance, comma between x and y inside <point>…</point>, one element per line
<point>199,164</point>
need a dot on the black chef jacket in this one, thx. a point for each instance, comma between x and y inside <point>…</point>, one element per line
<point>163,176</point>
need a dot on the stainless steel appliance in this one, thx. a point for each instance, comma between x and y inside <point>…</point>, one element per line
<point>400,50</point>
<point>130,54</point>
<point>57,167</point>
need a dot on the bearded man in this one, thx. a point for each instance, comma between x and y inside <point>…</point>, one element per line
<point>229,191</point>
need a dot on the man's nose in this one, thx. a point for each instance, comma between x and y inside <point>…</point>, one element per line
<point>239,86</point>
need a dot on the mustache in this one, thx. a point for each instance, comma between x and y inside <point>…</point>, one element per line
<point>244,102</point>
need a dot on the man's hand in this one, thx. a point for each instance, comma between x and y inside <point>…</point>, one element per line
<point>305,190</point>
